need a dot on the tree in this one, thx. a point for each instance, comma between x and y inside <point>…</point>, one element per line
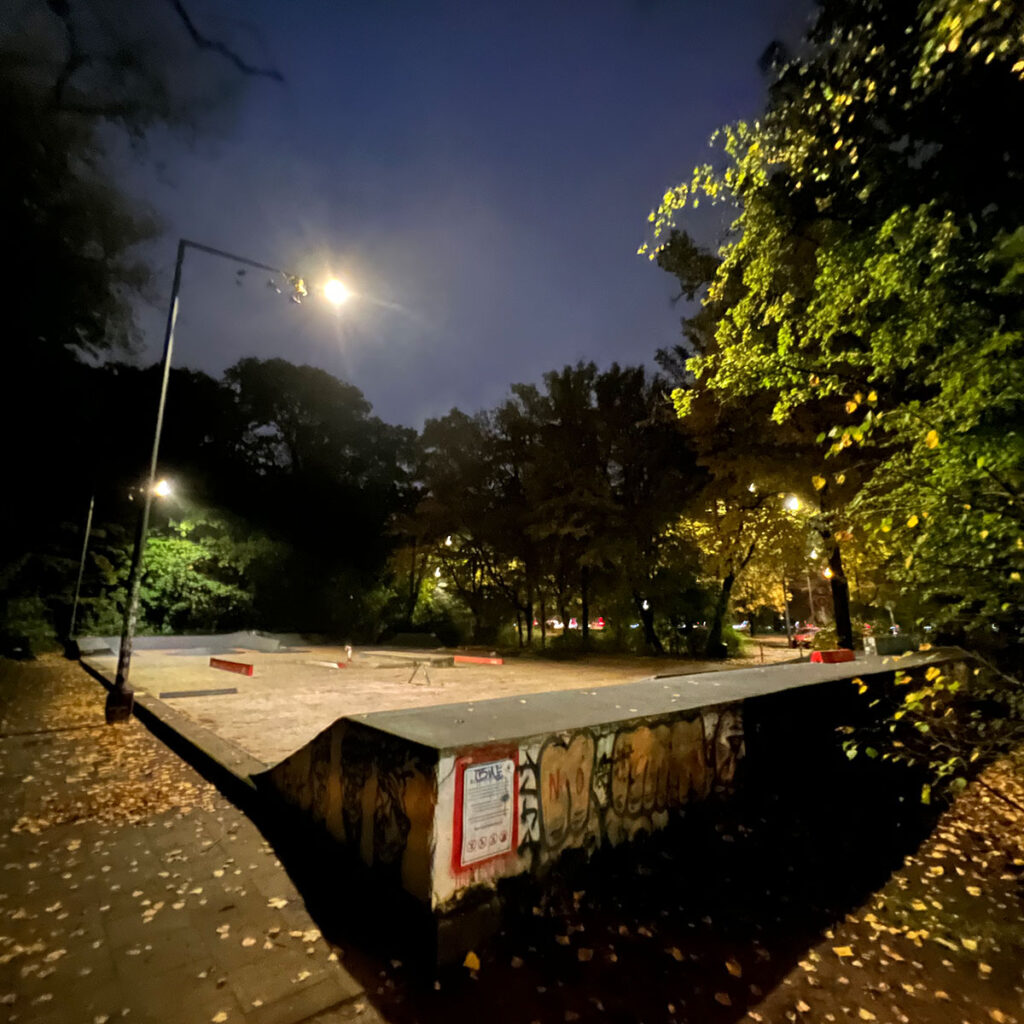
<point>873,270</point>
<point>557,501</point>
<point>72,75</point>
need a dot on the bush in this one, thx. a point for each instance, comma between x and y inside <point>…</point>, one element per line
<point>27,628</point>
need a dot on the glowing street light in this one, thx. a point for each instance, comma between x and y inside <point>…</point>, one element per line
<point>336,292</point>
<point>162,488</point>
<point>121,698</point>
<point>792,503</point>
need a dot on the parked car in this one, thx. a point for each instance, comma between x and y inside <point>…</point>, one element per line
<point>804,636</point>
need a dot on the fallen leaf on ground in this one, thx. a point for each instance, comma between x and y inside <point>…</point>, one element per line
<point>472,961</point>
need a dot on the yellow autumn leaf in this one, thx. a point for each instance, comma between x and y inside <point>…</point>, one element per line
<point>971,944</point>
<point>998,1016</point>
<point>819,482</point>
<point>472,961</point>
<point>912,521</point>
<point>931,439</point>
<point>802,1007</point>
<point>734,968</point>
<point>842,951</point>
<point>851,407</point>
<point>865,1014</point>
<point>918,905</point>
<point>974,890</point>
<point>872,397</point>
<point>723,998</point>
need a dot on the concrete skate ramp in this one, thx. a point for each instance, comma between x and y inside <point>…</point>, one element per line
<point>446,800</point>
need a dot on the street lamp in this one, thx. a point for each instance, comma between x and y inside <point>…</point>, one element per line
<point>162,489</point>
<point>336,293</point>
<point>121,698</point>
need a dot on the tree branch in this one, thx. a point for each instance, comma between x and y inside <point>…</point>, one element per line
<point>216,46</point>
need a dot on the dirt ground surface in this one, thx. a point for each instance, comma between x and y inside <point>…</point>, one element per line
<point>301,695</point>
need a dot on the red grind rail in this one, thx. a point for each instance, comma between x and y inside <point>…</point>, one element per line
<point>469,659</point>
<point>831,657</point>
<point>231,666</point>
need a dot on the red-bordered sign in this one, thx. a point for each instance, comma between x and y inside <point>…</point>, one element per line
<point>486,819</point>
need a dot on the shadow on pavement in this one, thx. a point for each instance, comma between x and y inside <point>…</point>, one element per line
<point>692,924</point>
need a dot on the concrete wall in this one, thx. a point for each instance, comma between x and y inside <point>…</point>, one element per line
<point>581,789</point>
<point>404,809</point>
<point>446,820</point>
<point>372,792</point>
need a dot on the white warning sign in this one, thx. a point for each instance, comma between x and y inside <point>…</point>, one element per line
<point>488,809</point>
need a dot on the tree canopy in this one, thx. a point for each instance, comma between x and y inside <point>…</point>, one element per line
<point>871,281</point>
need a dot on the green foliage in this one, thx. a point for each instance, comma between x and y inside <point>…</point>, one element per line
<point>871,285</point>
<point>200,575</point>
<point>865,283</point>
<point>941,721</point>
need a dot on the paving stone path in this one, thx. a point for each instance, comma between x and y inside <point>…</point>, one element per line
<point>131,889</point>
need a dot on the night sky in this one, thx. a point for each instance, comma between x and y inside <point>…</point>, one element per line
<point>479,173</point>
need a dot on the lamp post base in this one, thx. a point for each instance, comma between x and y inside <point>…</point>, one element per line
<point>120,702</point>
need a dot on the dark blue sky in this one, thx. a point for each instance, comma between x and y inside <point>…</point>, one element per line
<point>480,173</point>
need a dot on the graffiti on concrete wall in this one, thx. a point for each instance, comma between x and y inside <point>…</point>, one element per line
<point>578,789</point>
<point>566,808</point>
<point>375,793</point>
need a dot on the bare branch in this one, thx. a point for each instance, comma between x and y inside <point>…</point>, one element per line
<point>218,47</point>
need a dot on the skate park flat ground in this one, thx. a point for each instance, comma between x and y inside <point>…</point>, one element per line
<point>289,698</point>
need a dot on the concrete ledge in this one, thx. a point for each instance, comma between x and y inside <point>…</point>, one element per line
<point>452,726</point>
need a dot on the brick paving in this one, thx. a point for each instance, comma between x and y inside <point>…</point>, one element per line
<point>131,888</point>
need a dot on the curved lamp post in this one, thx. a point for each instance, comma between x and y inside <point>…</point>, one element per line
<point>122,697</point>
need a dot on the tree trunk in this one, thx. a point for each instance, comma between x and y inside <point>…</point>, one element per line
<point>715,647</point>
<point>785,605</point>
<point>543,621</point>
<point>840,599</point>
<point>585,603</point>
<point>414,584</point>
<point>647,618</point>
